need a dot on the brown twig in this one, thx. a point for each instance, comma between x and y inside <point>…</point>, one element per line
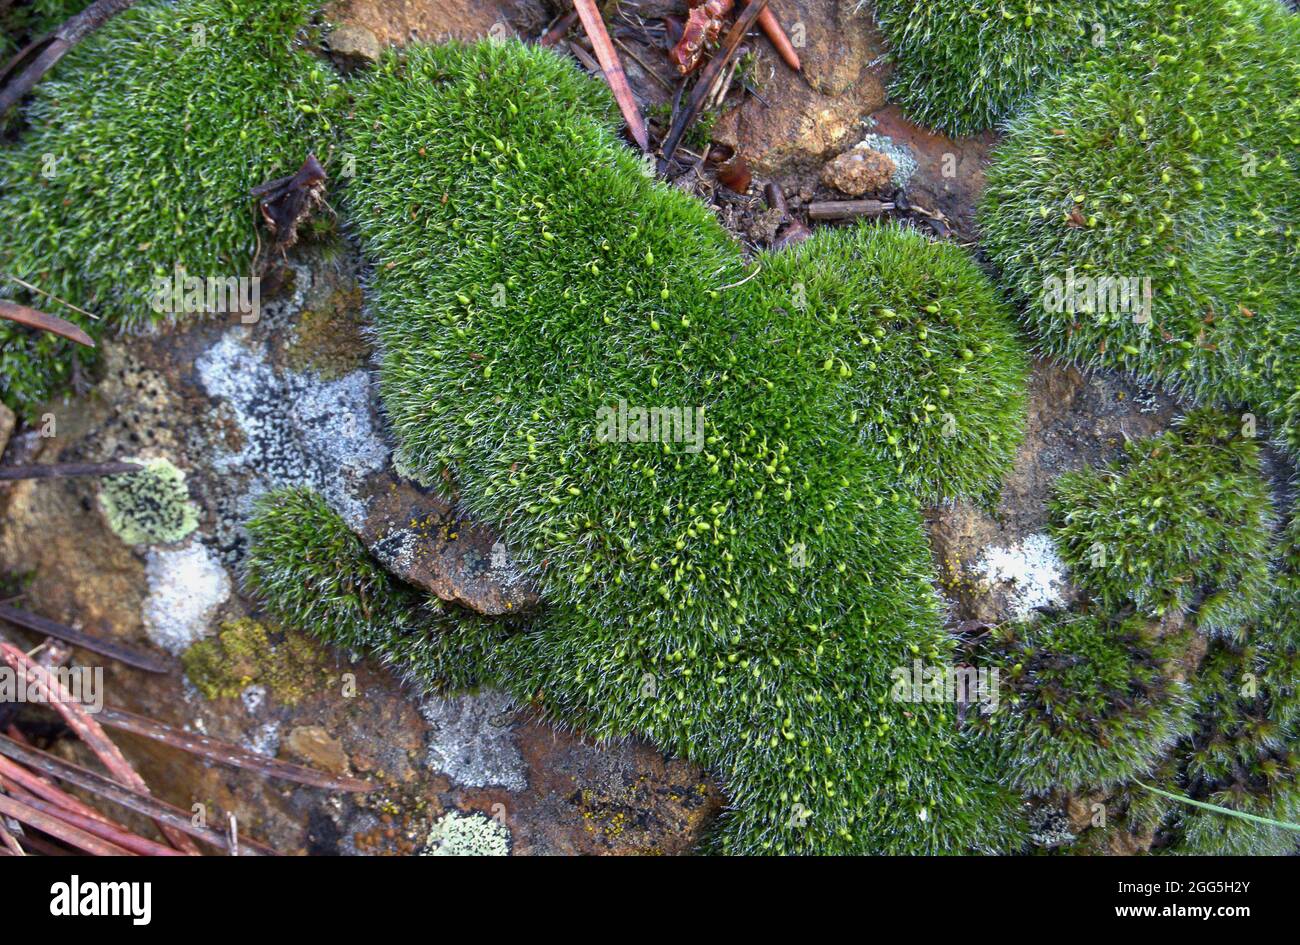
<point>710,74</point>
<point>53,48</point>
<point>63,470</point>
<point>140,802</point>
<point>59,829</point>
<point>771,28</point>
<point>561,27</point>
<point>613,69</point>
<point>587,60</point>
<point>12,311</point>
<point>128,841</point>
<point>34,843</point>
<point>10,844</point>
<point>129,655</point>
<point>847,209</point>
<point>89,731</point>
<point>792,231</point>
<point>723,84</point>
<point>49,295</point>
<point>19,781</point>
<point>227,753</point>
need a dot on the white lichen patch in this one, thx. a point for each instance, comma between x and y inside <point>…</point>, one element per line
<point>186,587</point>
<point>902,156</point>
<point>265,739</point>
<point>472,740</point>
<point>296,428</point>
<point>1031,572</point>
<point>253,697</point>
<point>457,834</point>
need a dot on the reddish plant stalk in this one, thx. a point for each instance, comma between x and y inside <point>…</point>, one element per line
<point>607,56</point>
<point>90,732</point>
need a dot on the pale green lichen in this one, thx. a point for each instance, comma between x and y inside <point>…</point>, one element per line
<point>150,507</point>
<point>457,834</point>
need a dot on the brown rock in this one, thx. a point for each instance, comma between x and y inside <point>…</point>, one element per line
<point>1079,810</point>
<point>315,746</point>
<point>804,119</point>
<point>395,22</point>
<point>582,800</point>
<point>81,573</point>
<point>1075,420</point>
<point>151,400</point>
<point>860,171</point>
<point>418,536</point>
<point>355,44</point>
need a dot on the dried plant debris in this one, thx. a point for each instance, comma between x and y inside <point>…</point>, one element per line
<point>704,24</point>
<point>288,201</point>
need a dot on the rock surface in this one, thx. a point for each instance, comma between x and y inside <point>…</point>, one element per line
<point>355,44</point>
<point>394,22</point>
<point>287,401</point>
<point>314,746</point>
<point>802,119</point>
<point>994,564</point>
<point>419,537</point>
<point>860,171</point>
<point>7,422</point>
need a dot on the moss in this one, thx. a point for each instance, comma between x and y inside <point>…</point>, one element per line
<point>457,834</point>
<point>149,507</point>
<point>962,68</point>
<point>13,585</point>
<point>142,146</point>
<point>788,694</point>
<point>935,371</point>
<point>314,576</point>
<point>1242,752</point>
<point>309,569</point>
<point>246,652</point>
<point>1183,521</point>
<point>700,134</point>
<point>328,340</point>
<point>529,277</point>
<point>1173,159</point>
<point>1129,817</point>
<point>1092,703</point>
<point>1243,755</point>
